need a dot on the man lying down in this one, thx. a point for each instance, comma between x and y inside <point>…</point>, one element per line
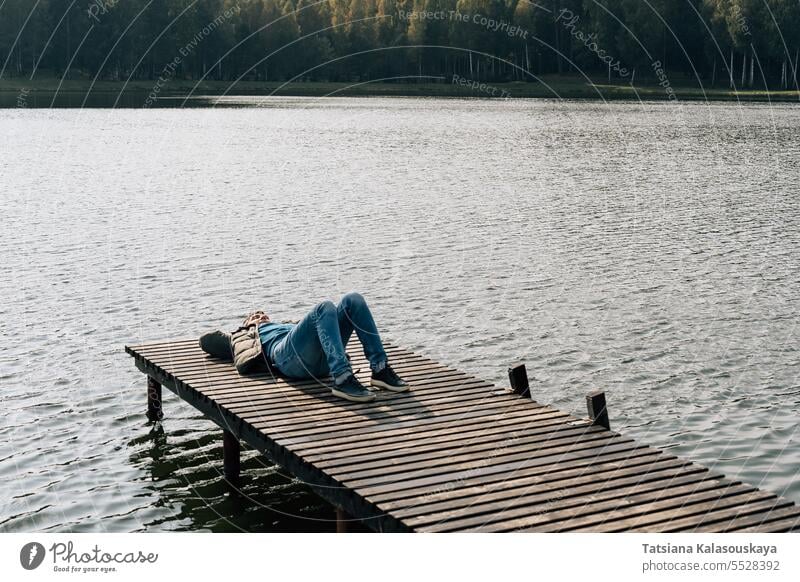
<point>314,347</point>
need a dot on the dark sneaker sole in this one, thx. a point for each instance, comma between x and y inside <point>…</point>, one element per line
<point>366,398</point>
<point>379,384</point>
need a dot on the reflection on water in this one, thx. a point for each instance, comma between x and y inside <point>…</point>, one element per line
<point>82,99</point>
<point>648,249</point>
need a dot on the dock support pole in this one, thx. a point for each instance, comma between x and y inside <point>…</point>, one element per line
<point>596,405</point>
<point>154,411</point>
<point>518,377</point>
<point>341,520</point>
<point>231,456</point>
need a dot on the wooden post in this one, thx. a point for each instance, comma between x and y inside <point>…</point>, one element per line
<point>518,377</point>
<point>154,411</point>
<point>231,456</point>
<point>598,413</point>
<point>341,520</point>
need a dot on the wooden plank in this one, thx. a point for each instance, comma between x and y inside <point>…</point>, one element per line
<point>560,505</point>
<point>223,371</point>
<point>641,514</point>
<point>655,518</point>
<point>189,365</point>
<point>619,514</point>
<point>436,397</point>
<point>364,429</point>
<point>424,463</point>
<point>459,441</point>
<point>391,433</point>
<point>367,429</point>
<point>211,369</point>
<point>138,348</point>
<point>222,375</point>
<point>425,470</point>
<point>327,407</point>
<point>220,372</point>
<point>423,388</point>
<point>349,417</point>
<point>780,526</point>
<point>560,494</point>
<point>422,383</point>
<point>546,472</point>
<point>723,515</point>
<point>432,399</point>
<point>521,420</point>
<point>265,385</point>
<point>371,421</point>
<point>302,428</point>
<point>423,391</point>
<point>565,460</point>
<point>234,387</point>
<point>741,521</point>
<point>509,486</point>
<point>595,478</point>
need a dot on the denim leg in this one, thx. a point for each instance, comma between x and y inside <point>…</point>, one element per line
<point>353,313</point>
<point>314,347</point>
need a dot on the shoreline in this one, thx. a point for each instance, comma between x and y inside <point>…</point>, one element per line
<point>550,87</point>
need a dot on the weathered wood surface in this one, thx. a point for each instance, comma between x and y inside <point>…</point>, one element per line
<point>456,453</point>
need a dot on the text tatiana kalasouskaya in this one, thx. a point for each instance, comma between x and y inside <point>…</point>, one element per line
<point>709,549</point>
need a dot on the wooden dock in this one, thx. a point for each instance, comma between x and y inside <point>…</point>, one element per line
<point>456,453</point>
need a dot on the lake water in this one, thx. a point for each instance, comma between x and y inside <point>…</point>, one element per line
<point>647,249</point>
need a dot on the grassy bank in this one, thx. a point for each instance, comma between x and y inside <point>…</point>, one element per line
<point>549,87</point>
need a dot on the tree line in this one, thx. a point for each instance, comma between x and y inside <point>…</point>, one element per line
<point>718,42</point>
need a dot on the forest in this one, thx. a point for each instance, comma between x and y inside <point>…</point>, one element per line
<point>737,43</point>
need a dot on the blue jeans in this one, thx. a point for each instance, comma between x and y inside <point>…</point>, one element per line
<point>314,348</point>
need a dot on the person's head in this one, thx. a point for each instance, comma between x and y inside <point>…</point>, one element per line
<point>255,318</point>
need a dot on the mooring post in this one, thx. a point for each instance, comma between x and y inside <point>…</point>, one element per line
<point>154,411</point>
<point>596,405</point>
<point>231,456</point>
<point>518,377</point>
<point>341,520</point>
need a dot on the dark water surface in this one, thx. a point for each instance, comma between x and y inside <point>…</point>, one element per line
<point>130,98</point>
<point>650,250</point>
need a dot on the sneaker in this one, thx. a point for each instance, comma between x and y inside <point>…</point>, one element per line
<point>387,378</point>
<point>353,390</point>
